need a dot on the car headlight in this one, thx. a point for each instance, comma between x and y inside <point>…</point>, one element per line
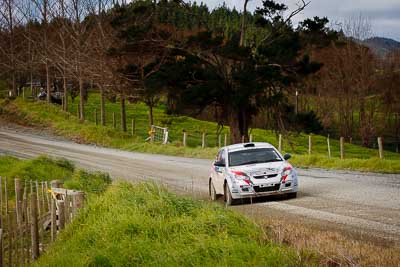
<point>238,175</point>
<point>286,172</point>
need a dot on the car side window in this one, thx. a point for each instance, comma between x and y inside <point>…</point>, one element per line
<point>222,156</point>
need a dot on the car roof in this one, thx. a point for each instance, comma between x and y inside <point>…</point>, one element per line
<point>245,146</point>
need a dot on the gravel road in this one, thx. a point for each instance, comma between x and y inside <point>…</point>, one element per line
<point>366,203</point>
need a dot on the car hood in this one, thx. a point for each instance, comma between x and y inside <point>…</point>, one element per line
<point>261,168</point>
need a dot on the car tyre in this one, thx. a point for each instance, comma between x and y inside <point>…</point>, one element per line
<point>212,192</point>
<point>228,196</point>
<point>292,195</point>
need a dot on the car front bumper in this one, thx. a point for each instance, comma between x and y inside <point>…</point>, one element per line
<point>240,193</point>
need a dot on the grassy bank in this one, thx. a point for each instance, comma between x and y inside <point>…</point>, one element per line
<point>66,124</point>
<point>47,169</point>
<point>143,224</point>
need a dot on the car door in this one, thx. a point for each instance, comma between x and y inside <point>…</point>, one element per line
<point>220,173</point>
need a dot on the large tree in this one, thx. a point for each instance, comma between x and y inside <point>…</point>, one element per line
<point>141,48</point>
<point>213,69</point>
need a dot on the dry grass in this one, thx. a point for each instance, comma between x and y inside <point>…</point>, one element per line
<point>335,249</point>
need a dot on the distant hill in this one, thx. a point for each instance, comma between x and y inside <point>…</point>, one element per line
<point>381,45</point>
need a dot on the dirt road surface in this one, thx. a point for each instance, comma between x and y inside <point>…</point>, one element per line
<point>367,204</point>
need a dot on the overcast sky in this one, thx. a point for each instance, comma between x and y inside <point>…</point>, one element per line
<point>384,15</point>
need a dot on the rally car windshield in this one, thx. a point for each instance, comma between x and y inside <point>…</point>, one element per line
<point>253,156</point>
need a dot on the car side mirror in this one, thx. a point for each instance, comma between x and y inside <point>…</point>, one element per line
<point>287,156</point>
<point>219,164</point>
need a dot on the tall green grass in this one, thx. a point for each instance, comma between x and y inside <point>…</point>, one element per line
<point>145,225</point>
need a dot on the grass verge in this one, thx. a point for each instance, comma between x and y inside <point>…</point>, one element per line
<point>65,124</point>
<point>46,169</point>
<point>143,224</point>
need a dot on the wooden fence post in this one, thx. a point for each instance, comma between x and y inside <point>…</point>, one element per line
<point>225,139</point>
<point>18,200</point>
<point>61,214</point>
<point>114,120</point>
<point>27,222</point>
<point>95,117</point>
<point>34,228</point>
<point>1,248</point>
<point>1,202</point>
<point>38,198</point>
<point>184,141</point>
<point>203,140</point>
<point>133,126</point>
<point>43,197</point>
<point>53,217</point>
<point>152,131</point>
<point>329,147</point>
<point>10,238</point>
<point>251,138</point>
<point>341,147</point>
<point>380,146</point>
<point>280,143</point>
<point>5,196</point>
<point>309,145</point>
<point>47,195</point>
<point>67,208</point>
<point>242,138</point>
<point>219,140</point>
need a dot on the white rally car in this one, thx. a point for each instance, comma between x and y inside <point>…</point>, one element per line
<point>251,170</point>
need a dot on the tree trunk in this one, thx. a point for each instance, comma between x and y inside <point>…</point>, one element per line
<point>123,113</point>
<point>81,100</point>
<point>65,93</point>
<point>102,107</point>
<point>363,124</point>
<point>14,84</point>
<point>238,124</point>
<point>243,28</point>
<point>48,82</point>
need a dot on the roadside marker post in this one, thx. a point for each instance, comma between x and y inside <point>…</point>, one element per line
<point>341,147</point>
<point>380,146</point>
<point>203,140</point>
<point>329,147</point>
<point>184,138</point>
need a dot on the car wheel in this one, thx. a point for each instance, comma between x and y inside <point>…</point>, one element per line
<point>228,195</point>
<point>292,195</point>
<point>212,192</point>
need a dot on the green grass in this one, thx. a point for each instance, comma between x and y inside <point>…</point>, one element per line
<point>369,165</point>
<point>294,143</point>
<point>145,225</point>
<point>46,169</point>
<point>66,124</point>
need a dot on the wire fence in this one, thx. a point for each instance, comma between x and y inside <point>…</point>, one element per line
<point>31,215</point>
